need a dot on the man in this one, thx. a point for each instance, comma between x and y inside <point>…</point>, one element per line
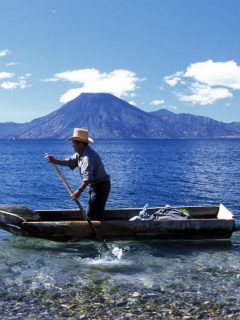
<point>91,170</point>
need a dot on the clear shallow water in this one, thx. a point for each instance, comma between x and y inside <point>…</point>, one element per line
<point>156,280</point>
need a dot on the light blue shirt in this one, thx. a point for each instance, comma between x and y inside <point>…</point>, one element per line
<point>90,166</point>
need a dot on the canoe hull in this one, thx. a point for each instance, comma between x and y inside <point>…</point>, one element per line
<point>78,230</point>
<point>65,225</point>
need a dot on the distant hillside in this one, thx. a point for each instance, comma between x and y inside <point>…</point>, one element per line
<point>108,117</point>
<point>185,125</point>
<point>10,129</point>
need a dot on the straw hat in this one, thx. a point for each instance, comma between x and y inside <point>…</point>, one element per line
<point>80,134</point>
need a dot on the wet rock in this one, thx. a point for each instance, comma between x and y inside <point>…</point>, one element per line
<point>121,303</point>
<point>135,294</point>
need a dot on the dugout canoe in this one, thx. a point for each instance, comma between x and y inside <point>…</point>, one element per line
<point>207,222</point>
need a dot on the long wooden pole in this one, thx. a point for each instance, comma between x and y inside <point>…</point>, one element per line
<point>97,234</point>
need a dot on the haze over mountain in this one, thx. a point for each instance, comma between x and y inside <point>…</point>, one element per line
<point>108,117</point>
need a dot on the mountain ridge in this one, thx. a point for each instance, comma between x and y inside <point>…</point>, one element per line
<point>109,117</point>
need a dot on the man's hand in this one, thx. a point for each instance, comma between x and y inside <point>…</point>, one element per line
<point>49,158</point>
<point>76,194</point>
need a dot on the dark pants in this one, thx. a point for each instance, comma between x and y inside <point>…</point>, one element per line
<point>97,200</point>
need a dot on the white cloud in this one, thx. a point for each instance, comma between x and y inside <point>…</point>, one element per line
<point>9,85</point>
<point>13,63</point>
<point>70,95</point>
<point>207,81</point>
<point>133,103</point>
<point>118,82</point>
<point>6,75</point>
<point>157,102</point>
<point>26,76</point>
<point>4,53</point>
<point>203,94</point>
<point>10,80</point>
<point>15,82</point>
<point>80,76</point>
<point>50,80</point>
<point>226,74</point>
<point>173,79</point>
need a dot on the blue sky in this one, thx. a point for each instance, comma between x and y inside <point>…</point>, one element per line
<point>182,55</point>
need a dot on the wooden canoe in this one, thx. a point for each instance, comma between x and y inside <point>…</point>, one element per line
<point>63,225</point>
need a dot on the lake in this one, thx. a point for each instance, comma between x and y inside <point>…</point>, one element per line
<point>154,279</point>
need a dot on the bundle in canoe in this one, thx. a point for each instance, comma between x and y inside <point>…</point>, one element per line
<point>63,225</point>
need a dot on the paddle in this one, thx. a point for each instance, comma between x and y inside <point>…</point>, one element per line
<point>97,234</point>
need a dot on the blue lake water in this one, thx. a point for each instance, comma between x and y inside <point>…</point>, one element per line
<point>154,279</point>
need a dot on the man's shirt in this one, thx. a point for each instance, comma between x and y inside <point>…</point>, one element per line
<point>90,166</point>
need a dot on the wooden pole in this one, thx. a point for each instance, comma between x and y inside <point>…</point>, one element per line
<point>97,234</point>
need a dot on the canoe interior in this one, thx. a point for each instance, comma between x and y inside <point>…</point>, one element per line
<point>196,212</point>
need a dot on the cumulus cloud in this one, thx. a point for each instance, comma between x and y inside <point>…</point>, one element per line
<point>204,94</point>
<point>6,75</point>
<point>10,80</point>
<point>118,82</point>
<point>4,52</point>
<point>14,83</point>
<point>226,74</point>
<point>9,85</point>
<point>173,79</point>
<point>80,76</point>
<point>70,95</point>
<point>157,102</point>
<point>207,81</point>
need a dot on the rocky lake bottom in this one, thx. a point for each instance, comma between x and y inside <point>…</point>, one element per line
<point>153,280</point>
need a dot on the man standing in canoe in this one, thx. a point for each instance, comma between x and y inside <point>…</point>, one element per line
<point>91,170</point>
